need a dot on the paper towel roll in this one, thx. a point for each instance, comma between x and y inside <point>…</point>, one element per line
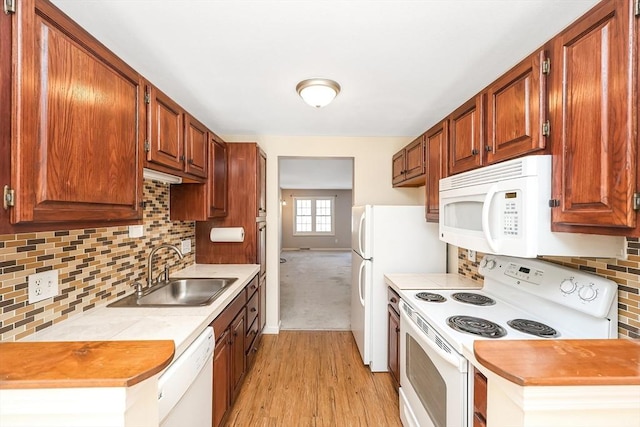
<point>227,234</point>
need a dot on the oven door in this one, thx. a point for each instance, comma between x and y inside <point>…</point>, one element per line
<point>433,381</point>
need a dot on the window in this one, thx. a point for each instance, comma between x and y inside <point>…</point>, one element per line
<point>313,216</point>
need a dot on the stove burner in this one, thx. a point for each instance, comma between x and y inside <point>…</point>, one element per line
<point>471,298</point>
<point>476,326</point>
<point>430,297</point>
<point>533,328</point>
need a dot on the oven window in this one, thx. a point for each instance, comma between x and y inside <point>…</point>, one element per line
<point>463,215</point>
<point>426,382</point>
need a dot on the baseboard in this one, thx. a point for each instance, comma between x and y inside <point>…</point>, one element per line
<point>272,330</point>
<point>316,249</point>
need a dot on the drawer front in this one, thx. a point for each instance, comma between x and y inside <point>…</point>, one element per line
<point>252,331</point>
<point>252,286</point>
<point>393,300</point>
<point>253,308</point>
<point>222,322</point>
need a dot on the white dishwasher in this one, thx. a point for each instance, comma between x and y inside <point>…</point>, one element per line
<point>185,388</point>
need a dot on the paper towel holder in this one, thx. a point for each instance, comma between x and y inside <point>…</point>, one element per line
<point>227,234</point>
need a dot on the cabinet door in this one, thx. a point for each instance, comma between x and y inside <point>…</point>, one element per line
<point>394,345</point>
<point>221,367</point>
<point>165,123</point>
<point>262,183</point>
<point>479,398</point>
<point>218,181</point>
<point>436,144</point>
<point>262,248</point>
<point>466,136</point>
<point>75,143</point>
<point>262,312</point>
<point>397,167</point>
<point>196,147</point>
<point>238,332</point>
<point>516,111</point>
<point>595,140</point>
<point>414,159</point>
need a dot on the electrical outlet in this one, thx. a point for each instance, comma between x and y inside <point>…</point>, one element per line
<point>185,246</point>
<point>43,285</point>
<point>471,255</point>
<point>136,230</point>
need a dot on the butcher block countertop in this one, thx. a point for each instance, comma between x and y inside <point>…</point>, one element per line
<point>562,362</point>
<point>81,363</point>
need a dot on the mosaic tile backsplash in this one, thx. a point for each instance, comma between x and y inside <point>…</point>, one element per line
<point>95,266</point>
<point>626,273</point>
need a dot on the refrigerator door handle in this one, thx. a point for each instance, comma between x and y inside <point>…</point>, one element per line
<point>360,287</point>
<point>361,235</point>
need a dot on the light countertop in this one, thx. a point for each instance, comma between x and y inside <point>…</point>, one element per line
<point>400,281</point>
<point>180,324</point>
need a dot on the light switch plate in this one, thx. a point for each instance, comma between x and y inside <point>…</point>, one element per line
<point>43,285</point>
<point>136,230</point>
<point>471,255</point>
<point>185,246</point>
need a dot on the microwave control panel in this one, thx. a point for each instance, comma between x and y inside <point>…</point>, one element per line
<point>511,204</point>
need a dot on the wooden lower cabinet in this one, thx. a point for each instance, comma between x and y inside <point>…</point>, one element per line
<point>393,348</point>
<point>479,399</point>
<point>237,337</point>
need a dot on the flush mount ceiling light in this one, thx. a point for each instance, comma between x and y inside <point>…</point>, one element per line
<point>318,92</point>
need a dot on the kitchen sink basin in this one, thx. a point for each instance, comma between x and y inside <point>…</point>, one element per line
<point>178,292</point>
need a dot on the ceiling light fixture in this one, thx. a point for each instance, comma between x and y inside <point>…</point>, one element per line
<point>318,92</point>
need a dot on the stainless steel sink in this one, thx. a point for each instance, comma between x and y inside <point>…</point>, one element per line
<point>179,292</point>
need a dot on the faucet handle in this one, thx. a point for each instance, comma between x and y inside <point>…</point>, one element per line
<point>138,287</point>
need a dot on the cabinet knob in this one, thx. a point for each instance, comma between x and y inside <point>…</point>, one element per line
<point>397,330</point>
<point>253,310</point>
<point>475,152</point>
<point>190,161</point>
<point>488,148</point>
<point>394,300</point>
<point>182,158</point>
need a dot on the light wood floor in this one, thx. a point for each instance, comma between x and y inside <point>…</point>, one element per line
<point>310,378</point>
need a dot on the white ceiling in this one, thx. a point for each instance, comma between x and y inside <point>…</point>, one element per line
<point>403,65</point>
<point>316,173</point>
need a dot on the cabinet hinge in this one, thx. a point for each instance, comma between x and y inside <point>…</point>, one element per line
<point>147,146</point>
<point>637,7</point>
<point>636,200</point>
<point>147,98</point>
<point>9,6</point>
<point>546,128</point>
<point>554,203</point>
<point>546,66</point>
<point>8,197</point>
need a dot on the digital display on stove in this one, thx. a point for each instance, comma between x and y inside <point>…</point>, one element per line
<point>524,270</point>
<point>510,195</point>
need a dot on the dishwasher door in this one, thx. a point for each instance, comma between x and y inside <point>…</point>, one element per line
<point>185,388</point>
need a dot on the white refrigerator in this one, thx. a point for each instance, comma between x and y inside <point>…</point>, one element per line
<point>386,239</point>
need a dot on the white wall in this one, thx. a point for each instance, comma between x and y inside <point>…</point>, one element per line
<point>371,185</point>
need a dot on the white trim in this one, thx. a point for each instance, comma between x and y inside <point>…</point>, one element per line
<point>313,200</point>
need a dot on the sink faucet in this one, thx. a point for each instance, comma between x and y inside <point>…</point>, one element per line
<point>150,261</point>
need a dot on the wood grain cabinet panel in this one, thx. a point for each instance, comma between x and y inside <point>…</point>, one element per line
<point>166,124</point>
<point>221,388</point>
<point>595,140</point>
<point>466,136</point>
<point>517,111</point>
<point>436,147</point>
<point>75,108</point>
<point>218,178</point>
<point>408,165</point>
<point>393,345</point>
<point>196,147</point>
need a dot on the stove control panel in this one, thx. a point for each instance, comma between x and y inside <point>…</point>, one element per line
<point>522,272</point>
<point>576,289</point>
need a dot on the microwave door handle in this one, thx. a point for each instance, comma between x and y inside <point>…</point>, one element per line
<point>485,218</point>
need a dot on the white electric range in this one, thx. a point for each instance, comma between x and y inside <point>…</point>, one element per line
<point>521,299</point>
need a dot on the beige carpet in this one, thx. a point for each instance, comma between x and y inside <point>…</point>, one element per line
<point>315,290</point>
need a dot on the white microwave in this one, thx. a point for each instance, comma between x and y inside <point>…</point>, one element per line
<point>504,209</point>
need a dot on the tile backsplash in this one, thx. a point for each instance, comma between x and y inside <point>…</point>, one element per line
<point>95,266</point>
<point>626,273</point>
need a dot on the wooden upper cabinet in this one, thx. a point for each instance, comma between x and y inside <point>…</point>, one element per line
<point>75,106</point>
<point>466,136</point>
<point>436,146</point>
<point>517,110</point>
<point>196,144</point>
<point>408,165</point>
<point>218,178</point>
<point>595,115</point>
<point>165,144</point>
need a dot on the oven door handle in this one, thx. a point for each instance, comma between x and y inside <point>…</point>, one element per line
<point>454,360</point>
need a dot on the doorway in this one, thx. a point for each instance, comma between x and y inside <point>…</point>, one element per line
<point>316,196</point>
